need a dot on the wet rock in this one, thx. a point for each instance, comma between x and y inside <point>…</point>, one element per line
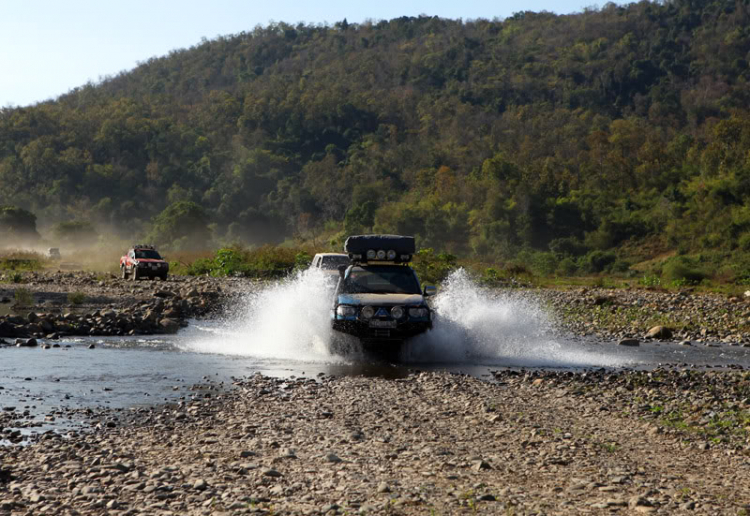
<point>659,332</point>
<point>169,325</point>
<point>629,342</point>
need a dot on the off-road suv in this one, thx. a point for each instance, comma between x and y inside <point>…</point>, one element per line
<point>143,261</point>
<point>378,297</point>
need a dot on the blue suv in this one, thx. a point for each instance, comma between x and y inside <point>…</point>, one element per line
<point>378,297</point>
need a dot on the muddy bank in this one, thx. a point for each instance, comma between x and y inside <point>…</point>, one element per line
<point>55,304</point>
<point>431,443</point>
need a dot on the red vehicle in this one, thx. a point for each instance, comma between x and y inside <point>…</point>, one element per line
<point>143,261</point>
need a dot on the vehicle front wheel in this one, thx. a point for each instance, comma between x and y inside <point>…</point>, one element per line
<point>163,277</point>
<point>123,272</point>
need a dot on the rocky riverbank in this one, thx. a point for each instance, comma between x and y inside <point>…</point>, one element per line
<point>432,443</point>
<point>51,305</point>
<point>684,316</point>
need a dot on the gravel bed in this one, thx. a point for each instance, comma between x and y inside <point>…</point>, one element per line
<point>433,443</point>
<point>613,314</point>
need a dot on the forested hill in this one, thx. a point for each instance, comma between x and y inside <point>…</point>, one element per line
<point>578,133</point>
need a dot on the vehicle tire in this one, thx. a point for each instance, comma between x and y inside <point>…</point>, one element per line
<point>163,277</point>
<point>123,272</point>
<point>134,273</point>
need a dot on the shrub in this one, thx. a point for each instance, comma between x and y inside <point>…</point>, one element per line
<point>264,262</point>
<point>681,269</point>
<point>597,261</point>
<point>569,246</point>
<point>76,298</point>
<point>432,268</point>
<point>491,277</point>
<point>24,297</point>
<point>566,267</point>
<point>619,266</point>
<point>544,264</point>
<point>744,242</point>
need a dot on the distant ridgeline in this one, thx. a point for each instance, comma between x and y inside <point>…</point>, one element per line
<point>614,133</point>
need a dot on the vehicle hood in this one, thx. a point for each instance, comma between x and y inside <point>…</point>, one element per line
<point>381,299</point>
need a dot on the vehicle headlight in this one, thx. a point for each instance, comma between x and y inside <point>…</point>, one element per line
<point>368,312</point>
<point>371,254</point>
<point>418,312</point>
<point>397,312</point>
<point>345,311</point>
<point>381,255</point>
<point>391,255</point>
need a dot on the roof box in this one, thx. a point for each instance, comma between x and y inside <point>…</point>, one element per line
<point>366,247</point>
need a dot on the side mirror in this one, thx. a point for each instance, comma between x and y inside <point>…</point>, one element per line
<point>430,291</point>
<point>342,270</point>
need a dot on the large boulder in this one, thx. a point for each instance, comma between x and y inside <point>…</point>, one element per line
<point>659,332</point>
<point>7,329</point>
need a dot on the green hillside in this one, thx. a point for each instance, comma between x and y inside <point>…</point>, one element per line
<point>597,138</point>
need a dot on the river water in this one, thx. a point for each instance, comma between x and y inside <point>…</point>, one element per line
<point>283,331</point>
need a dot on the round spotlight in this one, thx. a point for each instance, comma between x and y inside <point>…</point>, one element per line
<point>397,312</point>
<point>381,255</point>
<point>368,312</point>
<point>391,255</point>
<point>371,254</point>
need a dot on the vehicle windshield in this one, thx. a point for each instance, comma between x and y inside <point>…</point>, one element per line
<point>147,254</point>
<point>331,263</point>
<point>381,280</point>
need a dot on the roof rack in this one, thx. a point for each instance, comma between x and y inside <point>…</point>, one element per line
<point>143,246</point>
<point>380,248</point>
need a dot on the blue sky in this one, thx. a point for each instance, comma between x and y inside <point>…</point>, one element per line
<point>48,47</point>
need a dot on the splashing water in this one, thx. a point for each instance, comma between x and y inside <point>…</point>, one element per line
<point>508,328</point>
<point>290,320</point>
<point>286,320</point>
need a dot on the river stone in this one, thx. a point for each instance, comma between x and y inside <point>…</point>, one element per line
<point>629,342</point>
<point>332,457</point>
<point>169,325</point>
<point>479,465</point>
<point>659,332</point>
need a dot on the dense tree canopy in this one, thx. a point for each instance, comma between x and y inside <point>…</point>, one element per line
<point>183,222</point>
<point>16,226</point>
<point>574,134</point>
